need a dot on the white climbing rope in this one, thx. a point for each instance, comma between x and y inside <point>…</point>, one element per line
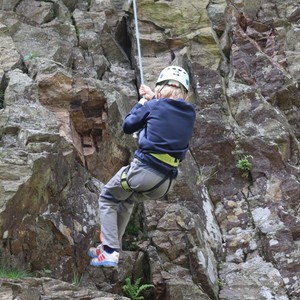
<point>137,35</point>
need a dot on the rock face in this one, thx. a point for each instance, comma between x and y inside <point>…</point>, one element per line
<point>47,288</point>
<point>69,73</point>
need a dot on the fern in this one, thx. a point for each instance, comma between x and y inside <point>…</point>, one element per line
<point>133,291</point>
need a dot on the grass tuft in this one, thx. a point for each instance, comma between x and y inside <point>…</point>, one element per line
<point>13,273</point>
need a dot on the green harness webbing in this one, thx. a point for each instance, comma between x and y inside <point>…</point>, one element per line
<point>124,182</point>
<point>166,158</point>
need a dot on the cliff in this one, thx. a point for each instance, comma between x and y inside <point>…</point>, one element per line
<point>69,73</point>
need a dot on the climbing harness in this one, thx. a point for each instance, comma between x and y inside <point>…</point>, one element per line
<point>166,158</point>
<point>125,185</point>
<point>137,35</point>
<point>124,182</point>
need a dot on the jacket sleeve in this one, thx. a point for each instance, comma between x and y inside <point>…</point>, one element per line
<point>136,118</point>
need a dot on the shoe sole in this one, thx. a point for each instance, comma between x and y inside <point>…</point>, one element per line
<point>108,264</point>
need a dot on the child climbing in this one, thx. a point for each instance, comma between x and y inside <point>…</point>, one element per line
<point>165,121</point>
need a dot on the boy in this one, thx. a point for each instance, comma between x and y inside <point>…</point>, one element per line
<point>166,122</point>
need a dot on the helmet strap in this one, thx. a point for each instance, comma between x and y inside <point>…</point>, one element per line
<point>166,82</point>
<point>181,87</point>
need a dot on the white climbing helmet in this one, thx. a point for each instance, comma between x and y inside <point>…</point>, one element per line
<point>174,73</point>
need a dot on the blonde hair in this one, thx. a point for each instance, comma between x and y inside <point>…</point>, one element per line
<point>172,92</point>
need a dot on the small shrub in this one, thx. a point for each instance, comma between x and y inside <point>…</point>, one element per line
<point>31,55</point>
<point>245,165</point>
<point>133,291</point>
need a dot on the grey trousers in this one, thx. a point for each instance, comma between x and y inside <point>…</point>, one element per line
<point>116,204</point>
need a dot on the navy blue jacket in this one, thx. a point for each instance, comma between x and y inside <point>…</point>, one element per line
<point>166,127</point>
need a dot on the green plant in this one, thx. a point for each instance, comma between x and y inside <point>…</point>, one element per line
<point>89,2</point>
<point>132,228</point>
<point>245,165</point>
<point>133,291</point>
<point>46,271</point>
<point>31,55</point>
<point>129,245</point>
<point>220,282</point>
<point>13,273</point>
<point>76,278</point>
<point>205,174</point>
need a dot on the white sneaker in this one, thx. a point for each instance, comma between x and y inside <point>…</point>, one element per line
<point>95,251</point>
<point>106,260</point>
